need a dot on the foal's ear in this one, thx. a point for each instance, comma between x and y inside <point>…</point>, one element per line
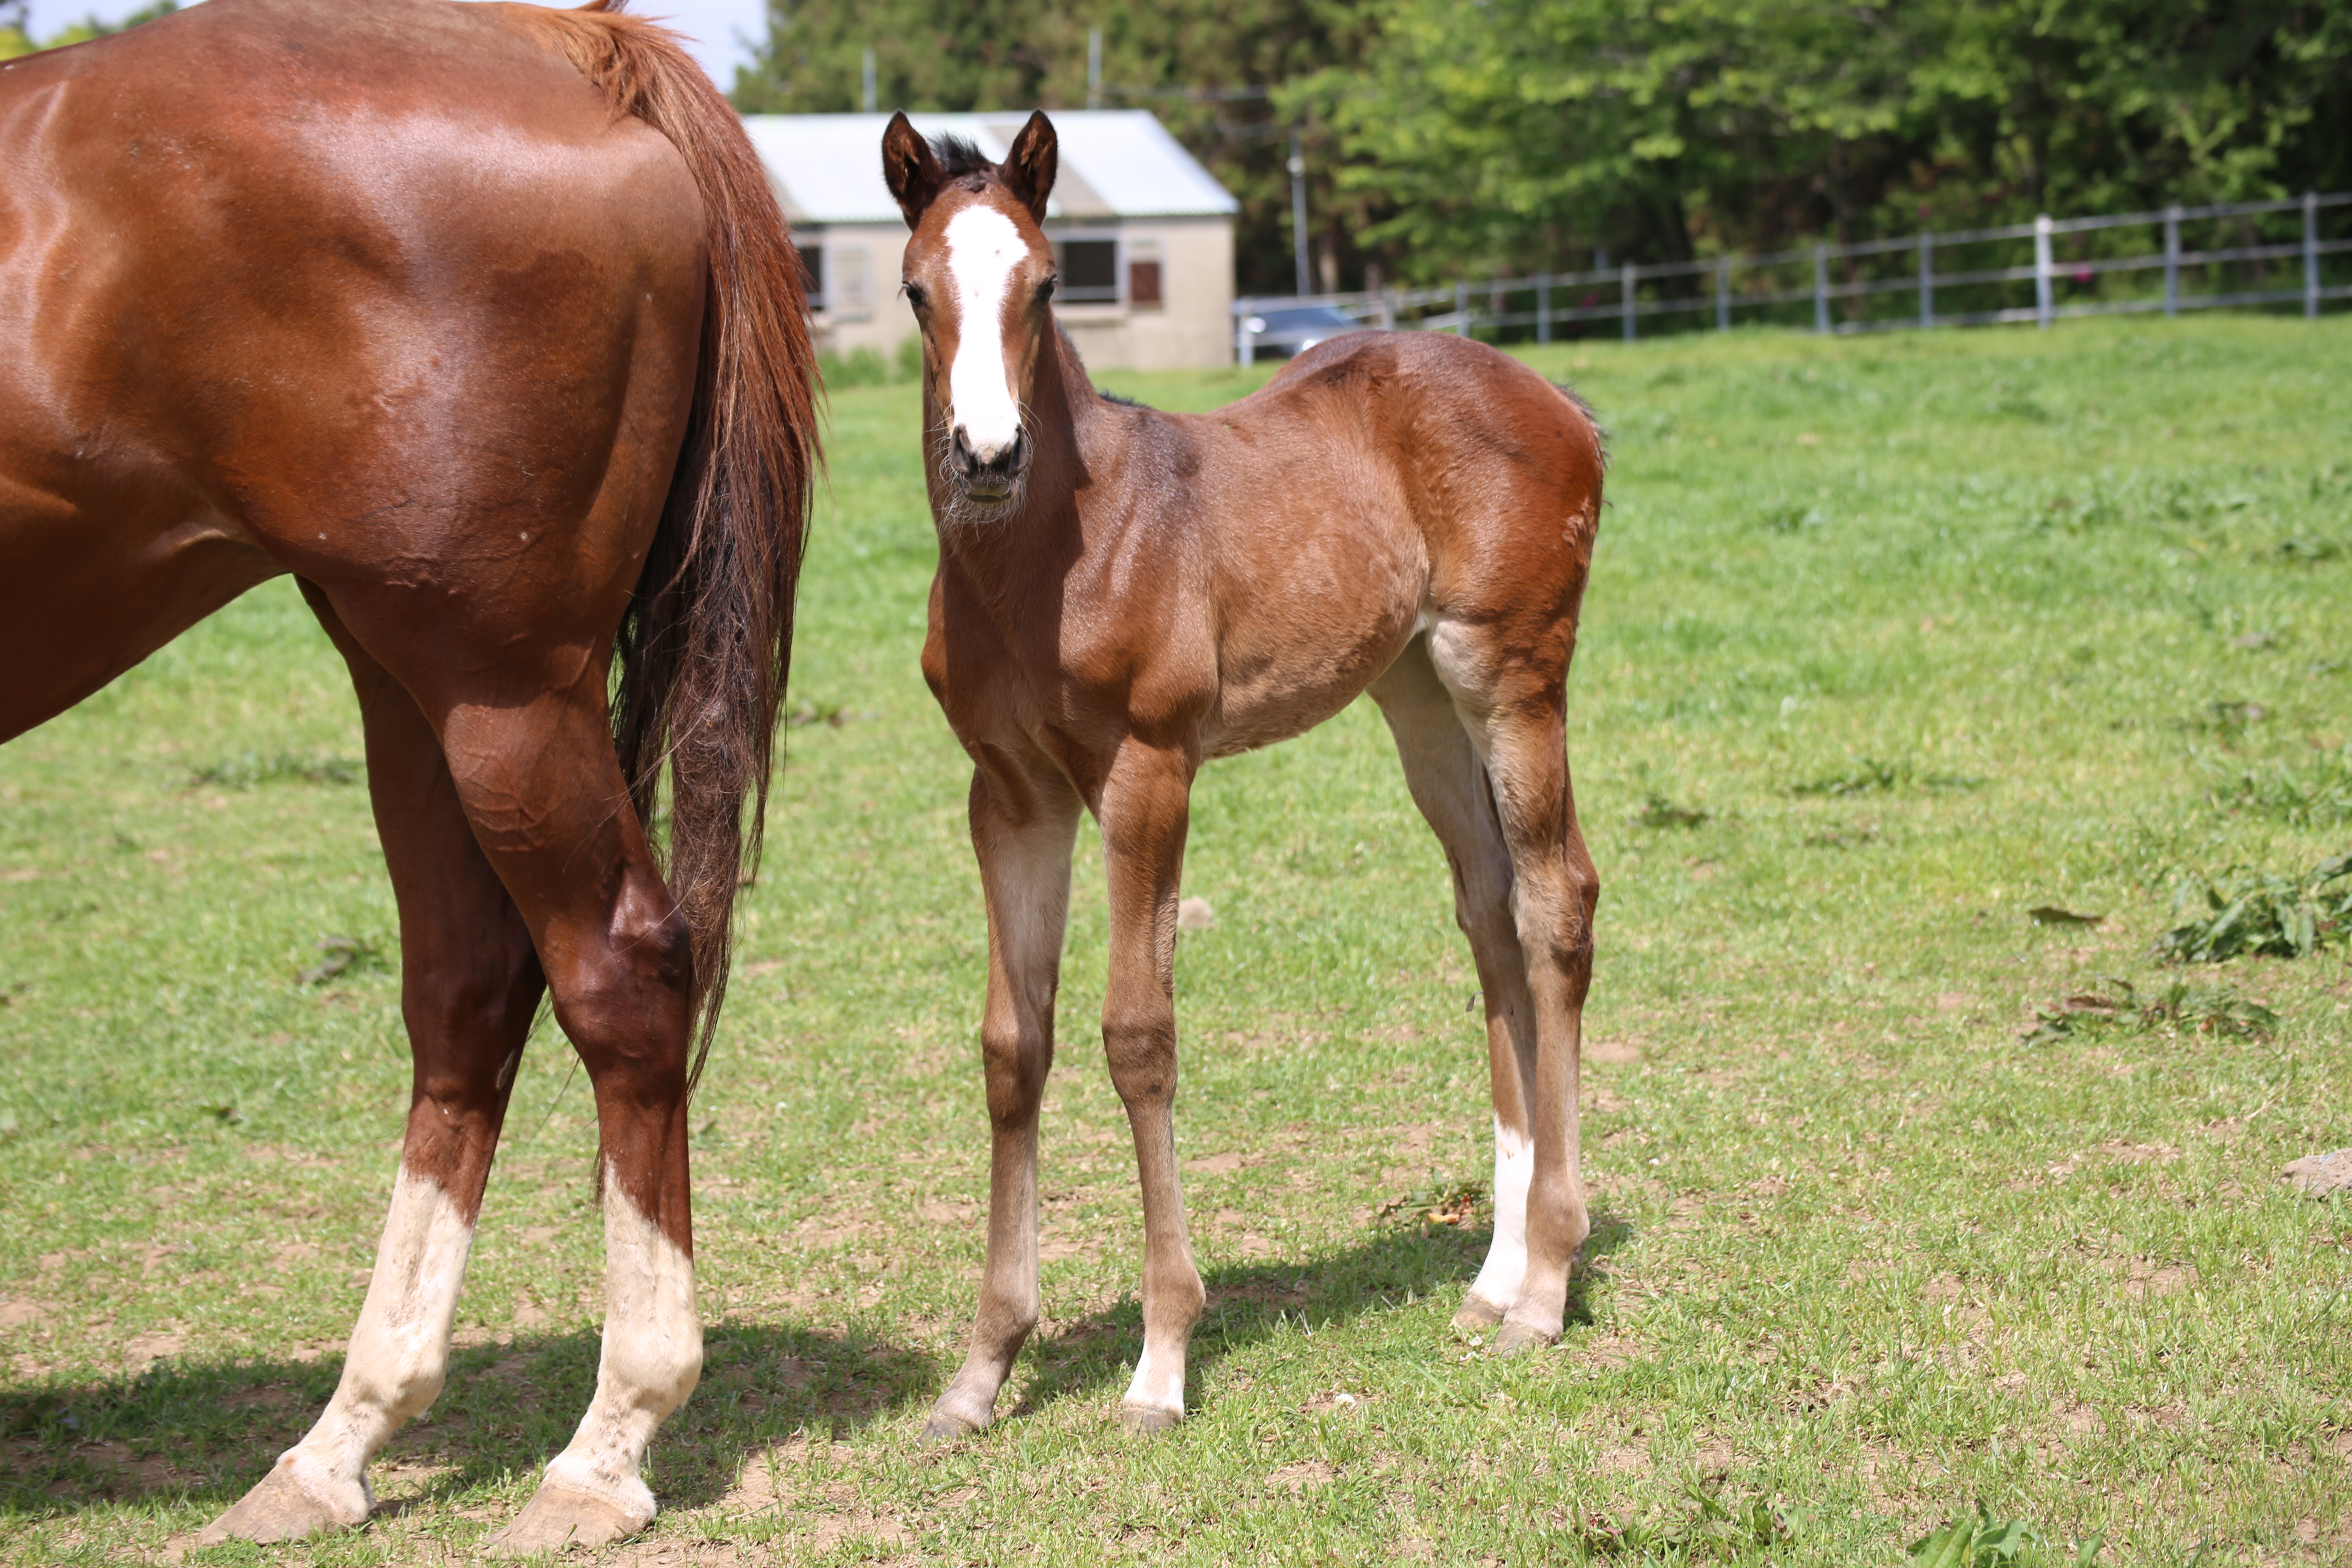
<point>913,174</point>
<point>1029,169</point>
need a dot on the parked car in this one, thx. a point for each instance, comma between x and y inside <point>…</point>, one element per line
<point>1295,329</point>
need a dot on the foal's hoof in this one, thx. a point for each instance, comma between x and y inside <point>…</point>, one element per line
<point>1518,1337</point>
<point>280,1508</point>
<point>1477,1315</point>
<point>1147,1420</point>
<point>560,1516</point>
<point>946,1427</point>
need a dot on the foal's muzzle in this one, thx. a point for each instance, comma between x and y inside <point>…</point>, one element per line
<point>991,477</point>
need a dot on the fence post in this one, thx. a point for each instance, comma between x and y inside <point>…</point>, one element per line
<point>1821,287</point>
<point>2311,253</point>
<point>1543,309</point>
<point>1245,341</point>
<point>1387,305</point>
<point>1723,293</point>
<point>1926,277</point>
<point>1625,298</point>
<point>2172,260</point>
<point>1461,309</point>
<point>2043,281</point>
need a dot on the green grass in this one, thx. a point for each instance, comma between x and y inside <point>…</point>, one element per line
<point>1888,643</point>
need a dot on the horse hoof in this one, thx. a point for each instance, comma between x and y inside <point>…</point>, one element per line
<point>1145,1420</point>
<point>1477,1315</point>
<point>559,1515</point>
<point>279,1508</point>
<point>945,1426</point>
<point>1518,1337</point>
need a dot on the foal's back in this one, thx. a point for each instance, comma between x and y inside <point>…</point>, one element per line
<point>1384,486</point>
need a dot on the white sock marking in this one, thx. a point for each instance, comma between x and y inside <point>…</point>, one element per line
<point>653,1357</point>
<point>983,248</point>
<point>1506,1268</point>
<point>400,1347</point>
<point>1159,1380</point>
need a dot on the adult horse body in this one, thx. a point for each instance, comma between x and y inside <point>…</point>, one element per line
<point>1123,593</point>
<point>482,321</point>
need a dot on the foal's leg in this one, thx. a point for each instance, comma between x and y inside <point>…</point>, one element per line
<point>1023,823</point>
<point>1513,704</point>
<point>1145,807</point>
<point>469,982</point>
<point>1449,784</point>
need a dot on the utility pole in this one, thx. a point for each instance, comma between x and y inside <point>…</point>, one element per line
<point>1298,207</point>
<point>1094,68</point>
<point>872,97</point>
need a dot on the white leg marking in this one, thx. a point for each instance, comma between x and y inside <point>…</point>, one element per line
<point>400,1347</point>
<point>1159,1380</point>
<point>1506,1260</point>
<point>652,1356</point>
<point>983,248</point>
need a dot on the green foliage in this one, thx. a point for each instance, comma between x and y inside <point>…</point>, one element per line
<point>2258,912</point>
<point>1516,133</point>
<point>1709,1529</point>
<point>2120,1008</point>
<point>1979,1542</point>
<point>15,40</point>
<point>2314,793</point>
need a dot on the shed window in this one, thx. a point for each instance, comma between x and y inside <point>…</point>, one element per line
<point>812,275</point>
<point>1090,271</point>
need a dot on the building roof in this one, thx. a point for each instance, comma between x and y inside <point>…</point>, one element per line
<point>1115,163</point>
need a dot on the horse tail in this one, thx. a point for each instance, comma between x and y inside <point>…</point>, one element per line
<point>706,646</point>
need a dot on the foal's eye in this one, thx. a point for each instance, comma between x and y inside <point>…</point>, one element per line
<point>1045,289</point>
<point>914,293</point>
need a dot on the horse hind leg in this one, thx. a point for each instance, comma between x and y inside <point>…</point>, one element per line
<point>1512,703</point>
<point>469,982</point>
<point>1449,783</point>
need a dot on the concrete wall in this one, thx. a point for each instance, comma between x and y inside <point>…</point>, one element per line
<point>1192,327</point>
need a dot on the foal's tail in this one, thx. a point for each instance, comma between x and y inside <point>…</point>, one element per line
<point>707,643</point>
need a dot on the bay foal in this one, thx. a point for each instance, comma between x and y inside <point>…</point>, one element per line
<point>1123,595</point>
<point>482,321</point>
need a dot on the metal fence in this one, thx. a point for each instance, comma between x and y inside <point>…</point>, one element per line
<point>2234,254</point>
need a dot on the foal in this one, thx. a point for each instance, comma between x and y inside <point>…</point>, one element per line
<point>1123,593</point>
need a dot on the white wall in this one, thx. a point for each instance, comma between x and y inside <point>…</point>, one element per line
<point>1193,327</point>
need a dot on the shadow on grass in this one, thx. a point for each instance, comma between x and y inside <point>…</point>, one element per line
<point>203,1433</point>
<point>1249,1302</point>
<point>200,1435</point>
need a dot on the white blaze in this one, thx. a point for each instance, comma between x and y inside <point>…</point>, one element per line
<point>1506,1260</point>
<point>983,248</point>
<point>653,1355</point>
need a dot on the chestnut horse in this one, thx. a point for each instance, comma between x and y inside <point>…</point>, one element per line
<point>1123,595</point>
<point>483,322</point>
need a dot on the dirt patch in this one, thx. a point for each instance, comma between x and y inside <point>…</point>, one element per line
<point>1303,1476</point>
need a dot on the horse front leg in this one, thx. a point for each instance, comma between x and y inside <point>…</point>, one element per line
<point>1024,822</point>
<point>1144,811</point>
<point>469,984</point>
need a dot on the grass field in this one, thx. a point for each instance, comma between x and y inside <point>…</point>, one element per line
<point>1888,643</point>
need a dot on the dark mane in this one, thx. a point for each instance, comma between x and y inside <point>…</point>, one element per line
<point>957,156</point>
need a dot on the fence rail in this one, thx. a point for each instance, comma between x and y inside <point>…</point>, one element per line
<point>1859,288</point>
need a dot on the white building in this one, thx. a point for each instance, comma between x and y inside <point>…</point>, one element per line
<point>1143,233</point>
